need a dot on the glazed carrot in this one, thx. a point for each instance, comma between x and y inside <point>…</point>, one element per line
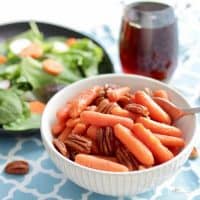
<point>133,98</point>
<point>63,114</point>
<point>33,50</point>
<point>142,167</point>
<point>80,128</point>
<point>36,107</point>
<point>3,59</point>
<point>71,41</point>
<point>57,128</point>
<point>117,110</point>
<point>110,158</point>
<point>160,93</point>
<point>100,119</point>
<point>63,136</point>
<point>72,122</point>
<point>161,128</point>
<point>169,107</point>
<point>92,132</point>
<point>83,100</point>
<point>161,153</point>
<point>99,163</point>
<point>156,112</point>
<point>175,150</point>
<point>116,94</point>
<point>170,141</point>
<point>135,146</point>
<point>52,67</point>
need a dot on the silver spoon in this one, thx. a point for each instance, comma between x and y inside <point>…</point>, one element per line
<point>175,112</point>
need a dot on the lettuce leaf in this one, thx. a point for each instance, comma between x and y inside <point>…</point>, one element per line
<point>24,123</point>
<point>31,71</point>
<point>11,106</point>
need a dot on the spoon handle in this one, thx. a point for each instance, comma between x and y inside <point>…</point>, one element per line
<point>189,111</point>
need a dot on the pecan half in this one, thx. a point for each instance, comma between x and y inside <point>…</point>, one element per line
<point>105,106</point>
<point>126,158</point>
<point>60,146</point>
<point>124,100</point>
<point>137,108</point>
<point>194,154</point>
<point>106,141</point>
<point>17,167</point>
<point>72,154</point>
<point>79,143</point>
<point>100,97</point>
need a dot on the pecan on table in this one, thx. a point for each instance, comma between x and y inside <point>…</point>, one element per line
<point>137,108</point>
<point>17,167</point>
<point>79,143</point>
<point>126,158</point>
<point>106,141</point>
<point>194,154</point>
<point>60,146</point>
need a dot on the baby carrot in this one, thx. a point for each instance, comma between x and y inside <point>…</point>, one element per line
<point>134,145</point>
<point>63,136</point>
<point>3,59</point>
<point>83,100</point>
<point>168,106</point>
<point>63,114</point>
<point>116,94</point>
<point>161,153</point>
<point>160,93</point>
<point>99,163</point>
<point>52,67</point>
<point>161,128</point>
<point>57,128</point>
<point>100,119</point>
<point>110,158</point>
<point>79,128</point>
<point>72,122</point>
<point>33,50</point>
<point>156,112</point>
<point>175,150</point>
<point>117,110</point>
<point>92,132</point>
<point>36,107</point>
<point>170,141</point>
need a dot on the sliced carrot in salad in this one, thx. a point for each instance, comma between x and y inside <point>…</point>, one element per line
<point>71,41</point>
<point>3,59</point>
<point>52,67</point>
<point>33,50</point>
<point>36,107</point>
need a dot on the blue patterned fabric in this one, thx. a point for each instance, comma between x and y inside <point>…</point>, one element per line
<point>45,181</point>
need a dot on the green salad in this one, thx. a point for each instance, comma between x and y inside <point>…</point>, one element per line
<point>33,68</point>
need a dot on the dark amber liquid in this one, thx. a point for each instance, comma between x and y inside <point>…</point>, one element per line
<point>148,51</point>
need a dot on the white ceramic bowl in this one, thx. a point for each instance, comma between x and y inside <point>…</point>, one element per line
<point>110,183</point>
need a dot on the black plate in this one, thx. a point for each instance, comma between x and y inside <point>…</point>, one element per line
<point>12,29</point>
